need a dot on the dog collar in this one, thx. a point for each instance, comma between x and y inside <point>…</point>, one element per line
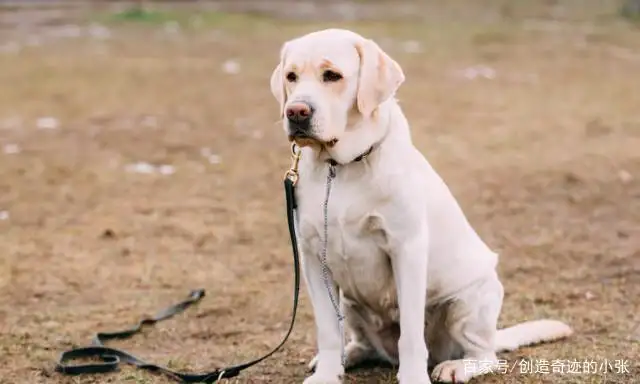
<point>359,158</point>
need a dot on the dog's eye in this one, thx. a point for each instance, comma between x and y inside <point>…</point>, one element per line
<point>292,77</point>
<point>331,76</point>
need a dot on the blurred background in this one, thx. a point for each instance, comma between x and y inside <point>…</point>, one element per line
<point>141,156</point>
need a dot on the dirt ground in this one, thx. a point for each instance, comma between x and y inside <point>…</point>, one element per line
<point>141,160</point>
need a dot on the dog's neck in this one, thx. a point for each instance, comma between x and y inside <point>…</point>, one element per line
<point>361,157</point>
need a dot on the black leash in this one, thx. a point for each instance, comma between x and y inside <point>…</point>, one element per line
<point>112,357</point>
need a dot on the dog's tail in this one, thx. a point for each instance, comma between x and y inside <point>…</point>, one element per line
<point>531,332</point>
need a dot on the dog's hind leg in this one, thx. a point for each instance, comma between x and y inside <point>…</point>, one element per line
<point>471,320</point>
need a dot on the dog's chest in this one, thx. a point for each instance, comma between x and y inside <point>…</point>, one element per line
<point>356,241</point>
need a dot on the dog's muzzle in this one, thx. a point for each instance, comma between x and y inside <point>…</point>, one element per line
<point>299,116</point>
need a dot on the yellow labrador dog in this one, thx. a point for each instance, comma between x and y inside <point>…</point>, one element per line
<point>411,271</point>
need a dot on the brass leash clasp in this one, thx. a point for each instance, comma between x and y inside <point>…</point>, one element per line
<point>292,173</point>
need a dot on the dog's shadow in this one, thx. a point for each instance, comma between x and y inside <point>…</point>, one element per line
<point>373,367</point>
<point>372,364</point>
<point>368,368</point>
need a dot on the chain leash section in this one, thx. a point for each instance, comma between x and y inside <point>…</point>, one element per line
<point>326,273</point>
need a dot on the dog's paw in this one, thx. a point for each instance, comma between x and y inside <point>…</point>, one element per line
<point>320,378</point>
<point>461,371</point>
<point>417,378</point>
<point>355,353</point>
<point>417,375</point>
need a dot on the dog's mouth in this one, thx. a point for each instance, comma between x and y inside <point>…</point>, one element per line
<point>304,140</point>
<point>331,143</point>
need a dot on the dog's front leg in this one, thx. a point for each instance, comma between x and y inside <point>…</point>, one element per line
<point>328,369</point>
<point>410,262</point>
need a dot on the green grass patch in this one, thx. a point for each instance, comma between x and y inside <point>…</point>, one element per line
<point>141,15</point>
<point>630,10</point>
<point>186,19</point>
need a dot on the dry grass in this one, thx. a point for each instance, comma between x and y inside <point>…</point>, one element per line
<point>538,157</point>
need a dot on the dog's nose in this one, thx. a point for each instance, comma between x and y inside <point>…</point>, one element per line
<point>299,112</point>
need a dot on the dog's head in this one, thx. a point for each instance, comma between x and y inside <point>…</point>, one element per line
<point>328,81</point>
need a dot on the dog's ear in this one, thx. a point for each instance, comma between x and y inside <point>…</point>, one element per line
<point>380,76</point>
<point>277,83</point>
